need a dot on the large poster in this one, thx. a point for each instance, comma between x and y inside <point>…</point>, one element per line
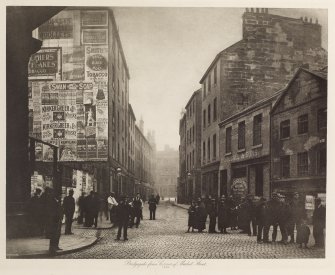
<point>73,63</point>
<point>72,115</point>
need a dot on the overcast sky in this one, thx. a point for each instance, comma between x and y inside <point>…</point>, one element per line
<point>169,49</point>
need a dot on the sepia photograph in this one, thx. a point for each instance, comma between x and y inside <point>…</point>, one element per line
<point>148,132</point>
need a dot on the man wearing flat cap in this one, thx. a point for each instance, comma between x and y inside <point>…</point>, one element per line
<point>319,223</point>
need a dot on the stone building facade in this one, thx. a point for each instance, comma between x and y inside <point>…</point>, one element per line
<point>245,150</point>
<point>182,178</point>
<point>193,145</point>
<point>167,169</point>
<point>299,135</point>
<point>272,48</point>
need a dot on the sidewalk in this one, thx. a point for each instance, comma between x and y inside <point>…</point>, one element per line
<point>38,247</point>
<point>102,224</point>
<point>184,206</point>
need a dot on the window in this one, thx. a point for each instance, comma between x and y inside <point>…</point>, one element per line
<point>303,164</point>
<point>193,158</point>
<point>209,114</point>
<point>303,124</point>
<point>215,75</point>
<point>204,151</point>
<point>215,109</point>
<point>285,166</point>
<point>204,119</point>
<point>204,92</point>
<point>257,131</point>
<point>193,134</point>
<point>209,83</point>
<point>208,149</point>
<point>285,129</point>
<point>214,146</point>
<point>228,140</point>
<point>322,119</point>
<point>241,135</point>
<point>322,161</point>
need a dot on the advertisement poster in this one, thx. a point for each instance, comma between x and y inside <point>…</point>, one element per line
<point>81,149</point>
<point>94,18</point>
<point>58,27</point>
<point>46,62</point>
<point>67,150</point>
<point>48,153</point>
<point>96,63</point>
<point>309,202</point>
<point>239,187</point>
<point>102,149</point>
<point>95,36</point>
<point>73,60</point>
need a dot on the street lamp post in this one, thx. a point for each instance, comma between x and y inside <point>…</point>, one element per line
<point>189,178</point>
<point>119,184</point>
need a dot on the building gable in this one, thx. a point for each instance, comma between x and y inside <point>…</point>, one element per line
<point>304,87</point>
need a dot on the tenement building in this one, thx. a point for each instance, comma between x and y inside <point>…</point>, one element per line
<point>193,146</point>
<point>245,150</point>
<point>182,178</point>
<point>167,169</point>
<point>272,48</point>
<point>299,135</point>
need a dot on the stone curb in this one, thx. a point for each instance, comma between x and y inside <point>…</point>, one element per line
<point>47,255</point>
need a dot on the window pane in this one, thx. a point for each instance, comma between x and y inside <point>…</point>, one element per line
<point>285,166</point>
<point>228,140</point>
<point>257,131</point>
<point>303,164</point>
<point>322,119</point>
<point>241,135</point>
<point>303,124</point>
<point>285,129</point>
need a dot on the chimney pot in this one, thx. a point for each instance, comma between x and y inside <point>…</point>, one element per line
<point>252,9</point>
<point>257,10</point>
<point>266,10</point>
<point>310,20</point>
<point>247,10</point>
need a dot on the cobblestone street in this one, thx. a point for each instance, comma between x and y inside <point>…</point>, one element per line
<point>166,238</point>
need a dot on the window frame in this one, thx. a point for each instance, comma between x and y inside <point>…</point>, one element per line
<point>228,139</point>
<point>281,126</point>
<point>241,135</point>
<point>302,168</point>
<point>285,173</point>
<point>257,130</point>
<point>302,124</point>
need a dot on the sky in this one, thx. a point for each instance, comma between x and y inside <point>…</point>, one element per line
<point>169,49</point>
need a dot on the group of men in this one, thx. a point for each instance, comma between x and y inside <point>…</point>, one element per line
<point>129,209</point>
<point>254,216</point>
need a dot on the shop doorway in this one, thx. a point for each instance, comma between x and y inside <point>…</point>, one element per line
<point>259,180</point>
<point>223,182</point>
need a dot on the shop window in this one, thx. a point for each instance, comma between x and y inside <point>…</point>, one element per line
<point>303,124</point>
<point>285,166</point>
<point>241,135</point>
<point>257,131</point>
<point>228,140</point>
<point>285,129</point>
<point>322,119</point>
<point>303,164</point>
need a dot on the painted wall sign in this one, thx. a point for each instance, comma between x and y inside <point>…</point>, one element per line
<point>73,67</point>
<point>44,62</point>
<point>95,36</point>
<point>58,27</point>
<point>94,18</point>
<point>96,63</point>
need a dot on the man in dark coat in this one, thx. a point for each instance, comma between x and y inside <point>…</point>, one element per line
<point>251,215</point>
<point>81,205</point>
<point>271,218</point>
<point>122,215</point>
<point>260,215</point>
<point>95,208</point>
<point>192,221</point>
<point>212,213</point>
<point>158,198</point>
<point>232,202</point>
<point>137,209</point>
<point>152,207</point>
<point>319,223</point>
<point>35,213</point>
<point>297,214</point>
<point>201,215</point>
<point>223,215</point>
<point>68,208</point>
<point>54,220</point>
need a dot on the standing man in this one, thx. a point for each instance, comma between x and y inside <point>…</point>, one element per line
<point>152,207</point>
<point>138,205</point>
<point>81,204</point>
<point>158,198</point>
<point>223,215</point>
<point>54,220</point>
<point>112,204</point>
<point>122,214</point>
<point>212,212</point>
<point>297,214</point>
<point>319,223</point>
<point>68,208</point>
<point>35,213</point>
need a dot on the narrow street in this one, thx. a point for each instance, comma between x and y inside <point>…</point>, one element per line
<point>166,238</point>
